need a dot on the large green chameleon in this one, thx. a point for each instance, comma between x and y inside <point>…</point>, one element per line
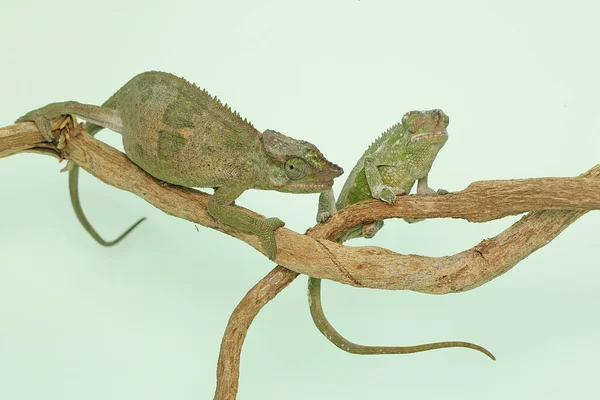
<point>401,156</point>
<point>181,135</point>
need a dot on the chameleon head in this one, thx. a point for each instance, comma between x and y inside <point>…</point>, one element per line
<point>296,166</point>
<point>426,127</point>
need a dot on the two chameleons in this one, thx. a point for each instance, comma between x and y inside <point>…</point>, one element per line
<point>181,135</point>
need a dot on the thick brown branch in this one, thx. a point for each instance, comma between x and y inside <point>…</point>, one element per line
<point>366,266</point>
<point>472,268</point>
<point>482,263</point>
<point>363,266</point>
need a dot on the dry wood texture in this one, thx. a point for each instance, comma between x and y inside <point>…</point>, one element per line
<point>552,203</point>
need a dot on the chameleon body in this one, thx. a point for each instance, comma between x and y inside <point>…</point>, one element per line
<point>181,135</point>
<point>401,156</point>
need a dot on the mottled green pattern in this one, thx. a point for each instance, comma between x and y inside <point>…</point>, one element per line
<point>170,143</point>
<point>360,190</point>
<point>177,116</point>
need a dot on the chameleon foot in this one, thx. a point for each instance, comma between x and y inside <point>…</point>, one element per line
<point>386,194</point>
<point>326,206</point>
<point>323,216</point>
<point>266,235</point>
<point>42,118</point>
<point>43,124</point>
<point>426,191</point>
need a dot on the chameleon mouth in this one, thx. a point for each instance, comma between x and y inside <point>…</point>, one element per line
<point>306,187</point>
<point>323,185</point>
<point>427,135</point>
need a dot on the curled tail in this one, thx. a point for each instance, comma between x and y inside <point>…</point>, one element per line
<point>318,316</point>
<point>74,192</point>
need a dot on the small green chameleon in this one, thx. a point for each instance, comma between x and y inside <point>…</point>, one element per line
<point>389,167</point>
<point>181,135</point>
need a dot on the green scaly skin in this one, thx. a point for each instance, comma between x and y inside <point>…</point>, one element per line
<point>181,135</point>
<point>401,156</point>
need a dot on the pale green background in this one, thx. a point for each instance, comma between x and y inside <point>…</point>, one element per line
<point>143,320</point>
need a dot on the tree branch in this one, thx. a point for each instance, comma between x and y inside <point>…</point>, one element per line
<point>228,366</point>
<point>367,266</point>
<point>482,263</point>
<point>554,203</point>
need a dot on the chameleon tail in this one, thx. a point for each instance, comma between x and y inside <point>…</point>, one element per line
<point>74,192</point>
<point>316,311</point>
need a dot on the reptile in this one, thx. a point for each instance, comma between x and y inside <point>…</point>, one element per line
<point>181,135</point>
<point>401,156</point>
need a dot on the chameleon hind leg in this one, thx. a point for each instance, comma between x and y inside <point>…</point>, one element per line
<point>98,118</point>
<point>102,116</point>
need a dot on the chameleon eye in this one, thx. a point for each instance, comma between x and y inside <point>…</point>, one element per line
<point>296,168</point>
<point>414,125</point>
<point>412,121</point>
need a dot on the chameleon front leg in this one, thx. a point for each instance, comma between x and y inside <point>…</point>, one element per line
<point>378,189</point>
<point>326,206</point>
<point>220,207</point>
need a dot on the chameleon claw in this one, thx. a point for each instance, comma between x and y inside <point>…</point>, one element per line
<point>42,123</point>
<point>387,195</point>
<point>323,216</point>
<point>42,118</point>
